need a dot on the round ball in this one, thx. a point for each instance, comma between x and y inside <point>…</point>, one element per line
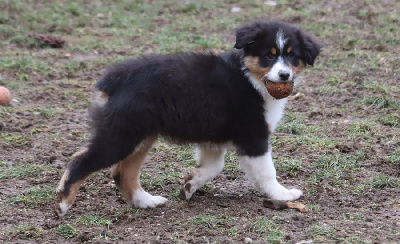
<point>279,90</point>
<point>5,96</point>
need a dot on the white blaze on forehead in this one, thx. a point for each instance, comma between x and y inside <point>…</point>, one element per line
<point>280,39</point>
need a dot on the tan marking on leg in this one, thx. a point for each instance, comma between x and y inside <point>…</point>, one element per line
<point>115,169</point>
<point>273,51</point>
<point>61,184</point>
<point>104,95</point>
<point>258,72</point>
<point>73,189</point>
<point>79,153</point>
<point>65,201</point>
<point>100,98</point>
<point>129,169</point>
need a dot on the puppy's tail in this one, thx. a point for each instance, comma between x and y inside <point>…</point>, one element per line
<point>118,76</point>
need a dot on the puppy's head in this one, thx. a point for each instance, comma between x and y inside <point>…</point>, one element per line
<point>275,51</point>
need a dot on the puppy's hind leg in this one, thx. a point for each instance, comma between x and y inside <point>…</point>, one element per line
<point>105,149</point>
<point>210,162</point>
<point>126,175</point>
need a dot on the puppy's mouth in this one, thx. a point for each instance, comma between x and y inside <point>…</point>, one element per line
<point>266,81</point>
<point>280,89</point>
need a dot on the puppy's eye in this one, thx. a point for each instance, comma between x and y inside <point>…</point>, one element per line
<point>270,56</point>
<point>291,56</point>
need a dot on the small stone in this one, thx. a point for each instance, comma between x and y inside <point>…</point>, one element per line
<point>305,242</point>
<point>248,240</point>
<point>270,3</point>
<point>235,10</point>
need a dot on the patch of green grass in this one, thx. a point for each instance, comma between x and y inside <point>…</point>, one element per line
<point>80,95</point>
<point>333,167</point>
<point>313,207</point>
<point>15,138</point>
<point>128,210</point>
<point>382,101</point>
<point>34,196</point>
<point>335,79</point>
<point>290,167</point>
<point>29,232</point>
<point>175,193</point>
<point>328,90</point>
<point>207,187</point>
<point>383,181</point>
<point>312,140</point>
<point>322,233</point>
<point>394,158</point>
<point>211,222</point>
<point>378,182</point>
<point>392,120</point>
<point>25,64</point>
<point>103,236</point>
<point>232,231</point>
<point>292,124</point>
<point>23,40</point>
<point>5,111</point>
<point>94,220</point>
<point>360,188</point>
<point>67,231</point>
<point>186,156</point>
<point>231,168</point>
<point>377,87</point>
<point>362,128</point>
<point>270,228</point>
<point>20,171</point>
<point>161,179</point>
<point>14,85</point>
<point>47,112</point>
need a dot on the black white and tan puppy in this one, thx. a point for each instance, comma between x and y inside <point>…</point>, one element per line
<point>215,101</point>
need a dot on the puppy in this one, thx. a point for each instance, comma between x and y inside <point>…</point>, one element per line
<point>214,101</point>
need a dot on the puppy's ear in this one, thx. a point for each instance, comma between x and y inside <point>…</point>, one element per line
<point>311,47</point>
<point>246,35</point>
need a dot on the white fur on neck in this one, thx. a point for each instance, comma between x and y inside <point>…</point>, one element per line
<point>274,108</point>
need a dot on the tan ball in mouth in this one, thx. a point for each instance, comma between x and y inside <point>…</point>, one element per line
<point>279,90</point>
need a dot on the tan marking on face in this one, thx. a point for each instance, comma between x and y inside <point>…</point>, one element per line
<point>258,72</point>
<point>298,69</point>
<point>273,51</point>
<point>289,49</point>
<point>129,169</point>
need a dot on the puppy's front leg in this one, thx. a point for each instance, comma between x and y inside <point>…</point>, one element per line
<point>261,172</point>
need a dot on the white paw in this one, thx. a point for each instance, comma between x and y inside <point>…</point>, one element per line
<point>278,192</point>
<point>186,191</point>
<point>142,199</point>
<point>189,187</point>
<point>62,208</point>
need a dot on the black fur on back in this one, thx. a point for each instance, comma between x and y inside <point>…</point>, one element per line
<point>189,97</point>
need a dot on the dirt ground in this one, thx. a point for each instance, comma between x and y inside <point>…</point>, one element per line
<point>339,141</point>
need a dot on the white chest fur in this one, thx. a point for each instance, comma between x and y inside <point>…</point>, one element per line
<point>274,108</point>
<point>274,111</point>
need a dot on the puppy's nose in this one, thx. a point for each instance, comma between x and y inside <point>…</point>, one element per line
<point>284,75</point>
